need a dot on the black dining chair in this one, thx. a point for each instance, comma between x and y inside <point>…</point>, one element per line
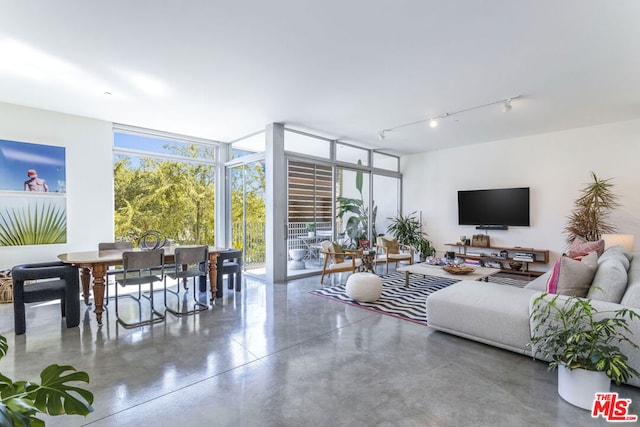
<point>230,264</point>
<point>189,262</point>
<point>64,286</point>
<point>141,268</point>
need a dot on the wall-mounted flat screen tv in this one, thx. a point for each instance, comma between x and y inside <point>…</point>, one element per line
<point>504,206</point>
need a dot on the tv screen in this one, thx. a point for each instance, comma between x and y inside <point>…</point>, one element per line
<point>505,206</point>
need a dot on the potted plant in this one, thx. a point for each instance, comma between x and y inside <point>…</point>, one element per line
<point>425,248</point>
<point>582,342</point>
<point>588,220</point>
<point>406,229</point>
<point>311,229</point>
<point>22,401</point>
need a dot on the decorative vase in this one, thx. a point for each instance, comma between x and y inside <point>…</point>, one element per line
<point>579,386</point>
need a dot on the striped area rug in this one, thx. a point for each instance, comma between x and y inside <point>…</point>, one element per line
<point>404,303</point>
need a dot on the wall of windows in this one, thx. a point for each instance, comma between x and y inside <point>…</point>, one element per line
<point>166,184</point>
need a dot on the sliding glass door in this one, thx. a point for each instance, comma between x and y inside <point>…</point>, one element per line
<point>248,212</point>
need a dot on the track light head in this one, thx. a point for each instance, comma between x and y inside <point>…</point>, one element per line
<point>381,135</point>
<point>507,106</point>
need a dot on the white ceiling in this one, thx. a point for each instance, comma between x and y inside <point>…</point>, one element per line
<point>343,69</point>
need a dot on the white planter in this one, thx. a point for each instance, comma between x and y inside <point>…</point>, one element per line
<point>579,386</point>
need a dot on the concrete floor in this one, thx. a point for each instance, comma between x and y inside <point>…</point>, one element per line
<point>274,355</point>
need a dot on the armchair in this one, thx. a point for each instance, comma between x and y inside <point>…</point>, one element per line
<point>334,261</point>
<point>388,249</point>
<point>66,287</point>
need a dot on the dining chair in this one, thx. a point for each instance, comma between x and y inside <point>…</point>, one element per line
<point>190,262</point>
<point>112,271</point>
<point>229,263</point>
<point>141,268</point>
<point>65,287</point>
<point>336,261</point>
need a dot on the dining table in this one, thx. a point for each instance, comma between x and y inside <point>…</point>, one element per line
<point>93,267</point>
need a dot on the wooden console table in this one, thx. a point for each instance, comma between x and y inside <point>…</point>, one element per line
<point>541,256</point>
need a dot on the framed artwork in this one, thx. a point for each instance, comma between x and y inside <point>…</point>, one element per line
<point>32,167</point>
<point>33,204</point>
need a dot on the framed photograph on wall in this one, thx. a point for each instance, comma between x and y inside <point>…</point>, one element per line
<point>33,204</point>
<point>31,167</point>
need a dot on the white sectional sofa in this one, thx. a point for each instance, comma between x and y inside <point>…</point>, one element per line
<point>498,315</point>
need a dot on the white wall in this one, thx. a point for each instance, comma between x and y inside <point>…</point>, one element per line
<point>89,177</point>
<point>555,166</point>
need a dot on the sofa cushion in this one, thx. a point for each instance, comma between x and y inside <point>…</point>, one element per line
<point>486,312</point>
<point>610,281</point>
<point>631,296</point>
<point>540,282</point>
<point>581,247</point>
<point>617,252</point>
<point>572,277</point>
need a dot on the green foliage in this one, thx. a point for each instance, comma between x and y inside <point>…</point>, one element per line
<point>174,197</point>
<point>22,401</point>
<point>248,210</point>
<point>406,230</point>
<point>588,220</point>
<point>424,246</point>
<point>571,332</point>
<point>44,224</point>
<point>357,213</point>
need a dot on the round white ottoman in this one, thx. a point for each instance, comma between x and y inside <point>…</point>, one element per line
<point>364,287</point>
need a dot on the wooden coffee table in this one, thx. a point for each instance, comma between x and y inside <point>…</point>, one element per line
<point>480,273</point>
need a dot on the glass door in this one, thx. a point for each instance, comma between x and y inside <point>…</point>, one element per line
<point>248,213</point>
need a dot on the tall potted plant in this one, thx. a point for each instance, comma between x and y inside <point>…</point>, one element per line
<point>582,342</point>
<point>589,217</point>
<point>406,229</point>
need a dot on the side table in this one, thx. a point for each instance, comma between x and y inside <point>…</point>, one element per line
<point>368,260</point>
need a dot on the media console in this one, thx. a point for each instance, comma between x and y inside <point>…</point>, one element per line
<point>491,254</point>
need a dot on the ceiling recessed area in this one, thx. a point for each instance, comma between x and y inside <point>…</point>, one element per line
<point>345,70</point>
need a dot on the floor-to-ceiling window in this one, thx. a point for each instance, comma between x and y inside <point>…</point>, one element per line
<point>165,183</point>
<point>336,191</point>
<point>247,209</point>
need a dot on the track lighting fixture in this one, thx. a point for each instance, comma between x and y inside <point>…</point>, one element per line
<point>433,120</point>
<point>507,106</point>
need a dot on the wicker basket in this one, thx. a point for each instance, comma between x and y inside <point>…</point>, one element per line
<point>6,290</point>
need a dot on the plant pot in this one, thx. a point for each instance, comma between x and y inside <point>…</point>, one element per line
<point>311,234</point>
<point>579,386</point>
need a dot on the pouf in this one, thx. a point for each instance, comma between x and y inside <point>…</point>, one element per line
<point>364,287</point>
<point>297,255</point>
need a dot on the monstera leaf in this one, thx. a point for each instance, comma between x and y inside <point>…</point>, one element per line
<point>21,401</point>
<point>53,395</point>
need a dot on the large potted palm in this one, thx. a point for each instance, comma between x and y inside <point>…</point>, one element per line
<point>589,217</point>
<point>583,343</point>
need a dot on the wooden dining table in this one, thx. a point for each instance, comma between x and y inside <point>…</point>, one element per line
<point>94,264</point>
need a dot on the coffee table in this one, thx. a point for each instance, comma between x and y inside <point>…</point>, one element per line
<point>480,273</point>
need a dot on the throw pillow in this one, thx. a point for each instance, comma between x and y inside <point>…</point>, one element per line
<point>580,247</point>
<point>391,245</point>
<point>610,280</point>
<point>338,253</point>
<point>571,277</point>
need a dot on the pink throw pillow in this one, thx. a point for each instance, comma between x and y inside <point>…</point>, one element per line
<point>580,247</point>
<point>572,277</point>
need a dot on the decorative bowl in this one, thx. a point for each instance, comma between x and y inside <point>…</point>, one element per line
<point>458,270</point>
<point>515,266</point>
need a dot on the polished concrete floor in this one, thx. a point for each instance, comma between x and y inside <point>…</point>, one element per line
<point>274,355</point>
